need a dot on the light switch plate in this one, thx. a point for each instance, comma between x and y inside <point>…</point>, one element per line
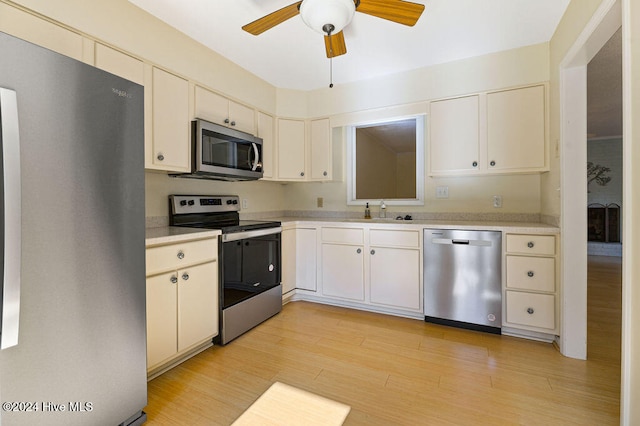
<point>442,192</point>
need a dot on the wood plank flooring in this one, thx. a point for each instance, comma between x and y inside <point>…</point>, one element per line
<point>398,371</point>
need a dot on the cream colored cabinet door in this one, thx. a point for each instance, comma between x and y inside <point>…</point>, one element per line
<point>321,155</point>
<point>167,137</point>
<point>119,63</point>
<point>266,132</point>
<point>299,259</point>
<point>289,260</point>
<point>395,277</point>
<point>217,109</point>
<point>454,136</point>
<point>197,304</point>
<point>343,271</point>
<point>291,149</point>
<point>162,332</point>
<point>38,31</point>
<point>516,130</point>
<point>306,248</point>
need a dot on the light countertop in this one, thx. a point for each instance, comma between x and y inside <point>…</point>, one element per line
<point>174,234</point>
<point>514,227</point>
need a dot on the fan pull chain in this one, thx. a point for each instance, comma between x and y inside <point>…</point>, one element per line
<point>331,72</point>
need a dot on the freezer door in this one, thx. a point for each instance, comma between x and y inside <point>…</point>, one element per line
<point>10,219</point>
<point>82,329</point>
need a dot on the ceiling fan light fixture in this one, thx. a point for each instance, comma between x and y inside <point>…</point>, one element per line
<point>318,13</point>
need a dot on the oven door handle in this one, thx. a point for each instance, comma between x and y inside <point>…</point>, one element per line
<point>243,235</point>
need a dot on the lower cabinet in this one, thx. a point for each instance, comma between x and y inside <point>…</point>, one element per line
<point>343,271</point>
<point>531,294</point>
<point>182,303</point>
<point>395,277</point>
<point>380,268</point>
<point>299,262</point>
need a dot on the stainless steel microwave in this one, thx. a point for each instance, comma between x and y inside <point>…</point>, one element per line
<point>222,153</point>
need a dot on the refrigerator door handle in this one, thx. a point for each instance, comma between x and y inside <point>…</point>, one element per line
<point>10,252</point>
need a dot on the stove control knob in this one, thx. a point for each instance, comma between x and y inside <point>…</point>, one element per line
<point>229,201</point>
<point>235,201</point>
<point>191,202</point>
<point>183,202</point>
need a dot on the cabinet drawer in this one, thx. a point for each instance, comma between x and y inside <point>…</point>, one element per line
<point>531,309</point>
<point>531,244</point>
<point>175,256</point>
<point>392,238</point>
<point>343,235</point>
<point>531,273</point>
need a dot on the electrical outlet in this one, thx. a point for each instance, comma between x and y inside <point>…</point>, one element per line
<point>442,192</point>
<point>245,203</point>
<point>497,201</point>
<point>320,202</point>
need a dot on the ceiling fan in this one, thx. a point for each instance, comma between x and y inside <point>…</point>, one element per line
<point>329,17</point>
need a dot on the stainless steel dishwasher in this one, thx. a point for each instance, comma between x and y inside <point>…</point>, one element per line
<point>463,278</point>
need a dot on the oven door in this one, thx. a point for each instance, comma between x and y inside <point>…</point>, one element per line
<point>251,266</point>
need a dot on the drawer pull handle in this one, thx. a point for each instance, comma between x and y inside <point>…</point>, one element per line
<point>373,252</point>
<point>359,251</point>
<point>530,244</point>
<point>530,274</point>
<point>530,311</point>
<point>185,276</point>
<point>180,255</point>
<point>174,279</point>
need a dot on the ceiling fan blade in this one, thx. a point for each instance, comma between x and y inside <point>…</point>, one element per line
<point>402,12</point>
<point>271,20</point>
<point>335,45</point>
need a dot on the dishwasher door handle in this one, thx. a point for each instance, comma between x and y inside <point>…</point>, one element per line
<point>448,241</point>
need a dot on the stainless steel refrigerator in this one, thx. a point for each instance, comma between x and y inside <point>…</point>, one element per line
<point>73,265</point>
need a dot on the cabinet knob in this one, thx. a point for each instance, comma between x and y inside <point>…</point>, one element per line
<point>185,276</point>
<point>174,279</point>
<point>233,123</point>
<point>474,164</point>
<point>492,163</point>
<point>180,255</point>
<point>160,157</point>
<point>530,311</point>
<point>301,173</point>
<point>324,173</point>
<point>530,274</point>
<point>373,252</point>
<point>226,121</point>
<point>359,251</point>
<point>530,244</point>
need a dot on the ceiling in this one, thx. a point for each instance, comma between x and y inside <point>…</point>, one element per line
<point>292,56</point>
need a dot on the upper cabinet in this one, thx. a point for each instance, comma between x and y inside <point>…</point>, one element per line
<point>516,130</point>
<point>167,144</point>
<point>291,149</point>
<point>490,133</point>
<point>41,32</point>
<point>455,135</point>
<point>119,63</point>
<point>320,149</point>
<point>266,131</point>
<point>304,150</point>
<point>217,109</point>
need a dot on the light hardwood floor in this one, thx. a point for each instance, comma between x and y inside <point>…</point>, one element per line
<point>397,371</point>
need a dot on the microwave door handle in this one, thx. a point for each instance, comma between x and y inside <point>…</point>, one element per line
<point>11,226</point>
<point>254,166</point>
